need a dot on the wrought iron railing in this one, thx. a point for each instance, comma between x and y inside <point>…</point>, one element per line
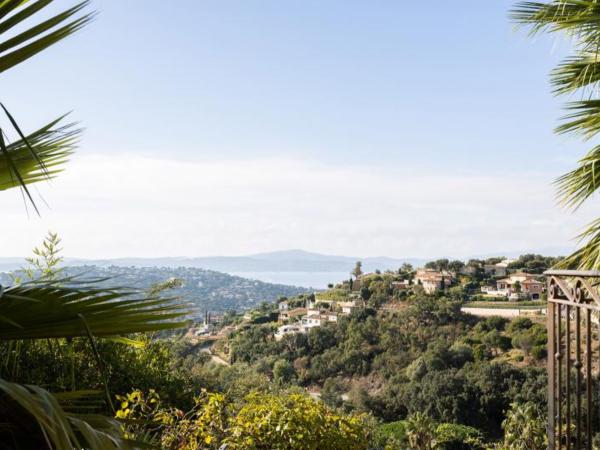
<point>573,358</point>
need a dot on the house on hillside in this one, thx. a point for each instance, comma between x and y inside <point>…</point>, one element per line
<point>287,329</point>
<point>433,280</point>
<point>288,315</point>
<point>520,285</point>
<point>316,319</point>
<point>347,308</point>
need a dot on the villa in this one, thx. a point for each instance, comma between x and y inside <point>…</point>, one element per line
<point>433,280</point>
<point>519,285</point>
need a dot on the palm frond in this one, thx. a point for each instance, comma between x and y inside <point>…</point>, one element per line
<point>56,428</point>
<point>576,17</point>
<point>579,72</point>
<point>576,186</point>
<point>39,37</point>
<point>587,257</point>
<point>39,310</point>
<point>585,119</point>
<point>51,146</point>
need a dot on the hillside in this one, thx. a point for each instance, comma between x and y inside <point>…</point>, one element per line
<point>206,289</point>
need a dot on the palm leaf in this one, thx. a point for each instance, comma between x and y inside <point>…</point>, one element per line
<point>580,72</point>
<point>39,310</point>
<point>56,428</point>
<point>51,145</point>
<point>588,256</point>
<point>576,17</point>
<point>578,185</point>
<point>33,40</point>
<point>585,119</point>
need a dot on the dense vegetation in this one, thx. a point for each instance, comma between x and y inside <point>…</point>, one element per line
<point>427,357</point>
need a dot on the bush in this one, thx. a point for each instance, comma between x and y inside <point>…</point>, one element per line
<point>520,324</point>
<point>450,436</point>
<point>481,353</point>
<point>496,323</point>
<point>394,430</point>
<point>287,421</point>
<point>539,352</point>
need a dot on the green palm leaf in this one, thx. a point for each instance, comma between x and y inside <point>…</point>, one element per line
<point>39,310</point>
<point>576,186</point>
<point>586,257</point>
<point>52,145</point>
<point>59,430</point>
<point>39,37</point>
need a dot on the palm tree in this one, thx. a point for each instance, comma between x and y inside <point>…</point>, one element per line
<point>577,74</point>
<point>31,417</point>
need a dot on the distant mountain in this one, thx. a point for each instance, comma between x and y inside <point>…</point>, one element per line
<point>282,261</point>
<point>206,289</point>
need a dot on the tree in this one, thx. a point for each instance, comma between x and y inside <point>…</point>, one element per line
<point>456,266</point>
<point>357,271</point>
<point>577,74</point>
<point>283,371</point>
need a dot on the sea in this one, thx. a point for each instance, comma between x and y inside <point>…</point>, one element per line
<point>314,280</point>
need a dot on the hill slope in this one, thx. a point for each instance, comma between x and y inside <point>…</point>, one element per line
<point>206,289</point>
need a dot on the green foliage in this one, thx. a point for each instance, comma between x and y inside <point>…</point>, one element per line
<point>527,339</point>
<point>520,324</point>
<point>259,421</point>
<point>533,263</point>
<point>46,260</point>
<point>283,372</point>
<point>524,427</point>
<point>450,436</point>
<point>420,432</point>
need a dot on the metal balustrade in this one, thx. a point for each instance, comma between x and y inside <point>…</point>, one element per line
<point>573,358</point>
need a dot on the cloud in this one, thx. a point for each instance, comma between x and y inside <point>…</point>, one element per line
<point>106,206</point>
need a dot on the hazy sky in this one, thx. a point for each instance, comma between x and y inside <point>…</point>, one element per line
<point>349,127</point>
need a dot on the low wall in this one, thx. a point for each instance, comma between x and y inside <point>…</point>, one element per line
<point>502,312</point>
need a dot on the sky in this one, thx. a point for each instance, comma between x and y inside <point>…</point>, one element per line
<point>224,127</point>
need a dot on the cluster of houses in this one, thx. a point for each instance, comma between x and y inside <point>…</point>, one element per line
<point>317,313</point>
<point>513,286</point>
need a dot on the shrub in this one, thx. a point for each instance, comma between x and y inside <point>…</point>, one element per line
<point>524,428</point>
<point>539,352</point>
<point>286,421</point>
<point>520,324</point>
<point>450,436</point>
